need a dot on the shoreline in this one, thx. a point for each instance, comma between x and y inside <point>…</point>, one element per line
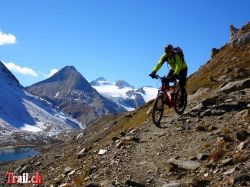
<point>16,146</point>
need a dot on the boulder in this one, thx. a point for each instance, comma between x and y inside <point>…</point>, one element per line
<point>242,179</point>
<point>233,30</point>
<point>186,165</point>
<point>176,184</point>
<point>235,86</point>
<point>242,135</point>
<point>102,151</point>
<point>65,185</point>
<point>134,183</point>
<point>82,153</point>
<point>67,170</point>
<point>214,52</point>
<point>79,136</point>
<point>238,37</point>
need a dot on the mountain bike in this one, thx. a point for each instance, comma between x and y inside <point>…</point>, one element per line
<point>173,96</point>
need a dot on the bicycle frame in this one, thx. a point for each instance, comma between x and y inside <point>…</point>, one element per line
<point>166,91</point>
<point>173,96</point>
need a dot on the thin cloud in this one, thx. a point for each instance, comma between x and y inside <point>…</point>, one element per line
<point>52,72</point>
<point>7,38</point>
<point>22,70</point>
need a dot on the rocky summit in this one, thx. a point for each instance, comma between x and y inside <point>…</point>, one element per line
<point>209,145</point>
<point>71,92</point>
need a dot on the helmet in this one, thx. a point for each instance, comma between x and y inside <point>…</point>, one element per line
<point>168,47</point>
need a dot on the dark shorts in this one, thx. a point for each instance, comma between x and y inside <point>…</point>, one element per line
<point>182,76</point>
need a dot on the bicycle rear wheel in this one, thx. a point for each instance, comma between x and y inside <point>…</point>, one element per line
<point>158,109</point>
<point>180,100</point>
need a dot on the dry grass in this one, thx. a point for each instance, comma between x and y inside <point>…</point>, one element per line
<point>239,157</point>
<point>217,155</point>
<point>206,145</point>
<point>78,181</point>
<point>226,130</point>
<point>126,123</point>
<point>228,57</point>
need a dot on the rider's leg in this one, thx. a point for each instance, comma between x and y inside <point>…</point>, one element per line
<point>183,77</point>
<point>167,80</point>
<point>183,80</point>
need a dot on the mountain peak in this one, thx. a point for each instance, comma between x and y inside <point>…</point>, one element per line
<point>100,79</point>
<point>97,81</point>
<point>71,68</point>
<point>123,84</point>
<point>6,75</point>
<point>68,78</point>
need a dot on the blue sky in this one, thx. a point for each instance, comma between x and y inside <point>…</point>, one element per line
<point>116,39</point>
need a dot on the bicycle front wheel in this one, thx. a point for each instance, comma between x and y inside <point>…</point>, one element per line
<point>158,109</point>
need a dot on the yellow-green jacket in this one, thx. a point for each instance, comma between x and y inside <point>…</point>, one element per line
<point>176,63</point>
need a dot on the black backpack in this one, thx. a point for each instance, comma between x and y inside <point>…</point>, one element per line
<point>178,50</point>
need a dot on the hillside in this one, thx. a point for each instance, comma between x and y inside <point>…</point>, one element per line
<point>229,63</point>
<point>209,145</point>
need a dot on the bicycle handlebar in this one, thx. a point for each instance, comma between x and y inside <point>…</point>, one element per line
<point>162,78</point>
<point>158,77</point>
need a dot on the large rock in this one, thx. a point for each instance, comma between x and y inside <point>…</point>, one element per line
<point>242,135</point>
<point>242,179</point>
<point>186,165</point>
<point>172,185</point>
<point>235,86</point>
<point>82,153</point>
<point>134,183</point>
<point>233,30</point>
<point>239,37</point>
<point>214,52</point>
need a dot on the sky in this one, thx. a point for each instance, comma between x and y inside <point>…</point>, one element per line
<point>116,39</point>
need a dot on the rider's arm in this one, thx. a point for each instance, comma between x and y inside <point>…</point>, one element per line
<point>160,62</point>
<point>178,64</point>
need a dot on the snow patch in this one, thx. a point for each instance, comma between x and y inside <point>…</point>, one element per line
<point>109,90</point>
<point>56,94</point>
<point>151,93</point>
<point>128,108</point>
<point>30,128</point>
<point>121,95</point>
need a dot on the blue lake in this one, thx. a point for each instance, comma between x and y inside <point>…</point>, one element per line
<point>17,153</point>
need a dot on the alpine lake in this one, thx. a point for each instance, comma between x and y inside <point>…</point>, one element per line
<point>12,153</point>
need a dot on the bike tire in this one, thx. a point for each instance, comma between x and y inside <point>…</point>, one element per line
<point>158,108</point>
<point>178,106</point>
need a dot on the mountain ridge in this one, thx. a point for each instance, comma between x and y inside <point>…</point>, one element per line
<point>72,93</point>
<point>123,93</point>
<point>23,115</point>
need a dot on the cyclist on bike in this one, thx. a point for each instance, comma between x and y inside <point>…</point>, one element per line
<point>177,63</point>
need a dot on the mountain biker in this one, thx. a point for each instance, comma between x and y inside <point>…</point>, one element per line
<point>178,66</point>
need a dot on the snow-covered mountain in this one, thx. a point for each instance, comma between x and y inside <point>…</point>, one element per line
<point>73,94</point>
<point>24,114</point>
<point>123,93</point>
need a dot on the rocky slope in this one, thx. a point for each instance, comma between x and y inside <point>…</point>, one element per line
<point>209,145</point>
<point>72,93</point>
<point>25,118</point>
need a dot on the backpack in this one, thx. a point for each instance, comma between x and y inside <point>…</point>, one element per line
<point>178,50</point>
